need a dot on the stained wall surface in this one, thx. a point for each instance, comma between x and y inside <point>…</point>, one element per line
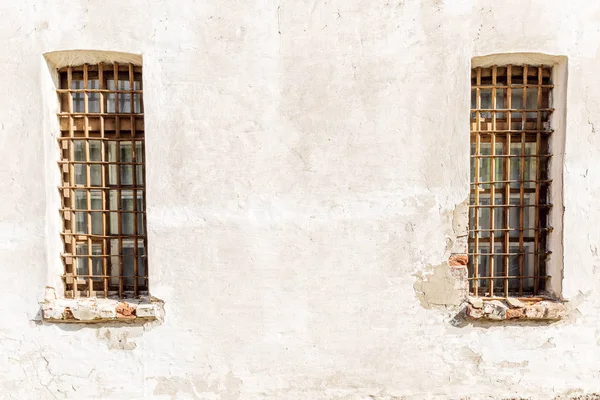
<point>304,163</point>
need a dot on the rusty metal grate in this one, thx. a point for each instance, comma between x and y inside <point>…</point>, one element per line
<point>103,180</point>
<point>510,183</point>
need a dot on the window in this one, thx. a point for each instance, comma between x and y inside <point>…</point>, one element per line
<point>510,204</point>
<point>103,180</point>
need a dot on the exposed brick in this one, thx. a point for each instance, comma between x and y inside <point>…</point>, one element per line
<point>513,313</point>
<point>498,310</point>
<point>458,259</point>
<point>125,310</point>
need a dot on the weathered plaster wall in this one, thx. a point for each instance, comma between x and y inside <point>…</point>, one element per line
<point>305,159</point>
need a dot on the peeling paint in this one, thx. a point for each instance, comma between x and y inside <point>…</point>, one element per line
<point>298,177</point>
<point>438,287</point>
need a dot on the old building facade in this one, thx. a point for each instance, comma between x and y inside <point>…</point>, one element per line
<point>301,212</point>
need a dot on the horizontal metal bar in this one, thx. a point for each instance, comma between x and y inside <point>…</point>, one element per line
<point>511,229</point>
<point>512,181</point>
<point>511,206</point>
<point>68,255</point>
<point>509,254</point>
<point>98,162</point>
<point>513,110</point>
<point>110,187</point>
<point>105,276</point>
<point>108,136</point>
<point>504,277</point>
<point>134,91</point>
<point>76,114</point>
<point>515,86</point>
<point>512,131</point>
<point>512,156</point>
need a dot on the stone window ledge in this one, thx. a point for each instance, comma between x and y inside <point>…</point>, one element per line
<point>93,310</point>
<point>515,309</point>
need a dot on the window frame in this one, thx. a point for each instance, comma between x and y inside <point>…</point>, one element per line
<point>554,264</point>
<point>116,127</point>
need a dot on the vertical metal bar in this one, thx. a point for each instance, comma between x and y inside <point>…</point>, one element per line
<point>134,181</point>
<point>508,166</point>
<point>88,192</point>
<point>119,193</point>
<point>522,182</point>
<point>492,213</point>
<point>72,179</point>
<point>104,173</point>
<point>476,186</point>
<point>493,184</point>
<point>507,215</point>
<point>142,165</point>
<point>536,232</point>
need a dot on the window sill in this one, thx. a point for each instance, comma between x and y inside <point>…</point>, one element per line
<point>515,309</point>
<point>94,310</point>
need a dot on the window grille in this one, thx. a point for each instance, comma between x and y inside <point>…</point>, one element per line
<point>510,183</point>
<point>103,180</point>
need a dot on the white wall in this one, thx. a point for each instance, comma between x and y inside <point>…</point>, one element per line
<point>304,162</point>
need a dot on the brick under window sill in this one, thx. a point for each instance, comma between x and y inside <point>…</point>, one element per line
<point>94,310</point>
<point>513,308</point>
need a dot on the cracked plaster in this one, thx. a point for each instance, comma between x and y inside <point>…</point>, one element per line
<point>304,163</point>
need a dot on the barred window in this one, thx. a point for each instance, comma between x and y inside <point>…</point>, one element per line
<point>509,225</point>
<point>103,180</point>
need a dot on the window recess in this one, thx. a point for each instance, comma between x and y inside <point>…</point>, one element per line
<point>103,180</point>
<point>511,108</point>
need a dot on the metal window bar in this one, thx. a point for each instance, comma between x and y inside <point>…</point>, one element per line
<point>103,180</point>
<point>509,202</point>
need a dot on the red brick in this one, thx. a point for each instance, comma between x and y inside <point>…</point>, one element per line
<point>458,259</point>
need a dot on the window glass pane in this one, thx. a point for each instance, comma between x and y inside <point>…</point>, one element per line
<point>81,217</point>
<point>93,98</point>
<point>113,200</point>
<point>139,175</point>
<point>516,98</point>
<point>95,150</point>
<point>128,223</point>
<point>110,99</point>
<point>141,263</point>
<point>126,174</point>
<point>80,199</point>
<point>128,263</point>
<point>82,262</point>
<point>500,102</point>
<point>140,224</point>
<point>80,174</point>
<point>124,103</point>
<point>96,175</point>
<point>78,98</point>
<point>96,223</point>
<point>140,200</point>
<point>127,200</point>
<point>96,203</point>
<point>79,150</point>
<point>139,152</point>
<point>137,103</point>
<point>112,158</point>
<point>114,223</point>
<point>126,152</point>
<point>115,263</point>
